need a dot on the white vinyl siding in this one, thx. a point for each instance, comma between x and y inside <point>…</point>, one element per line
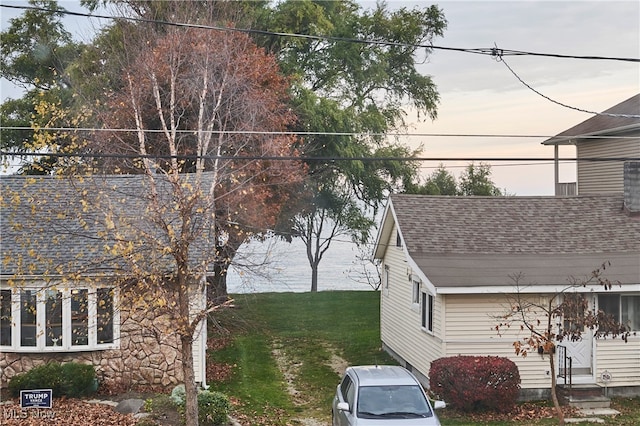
<point>470,330</point>
<point>620,359</point>
<point>401,328</point>
<point>604,176</point>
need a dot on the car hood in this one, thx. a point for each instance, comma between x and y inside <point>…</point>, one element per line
<point>429,421</point>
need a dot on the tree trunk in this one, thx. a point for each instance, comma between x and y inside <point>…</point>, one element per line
<point>217,292</point>
<point>191,392</point>
<point>314,278</point>
<point>554,395</point>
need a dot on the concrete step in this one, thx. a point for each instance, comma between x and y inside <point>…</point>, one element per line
<point>589,402</point>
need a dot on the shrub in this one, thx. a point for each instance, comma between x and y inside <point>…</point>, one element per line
<point>213,407</point>
<point>78,379</point>
<point>178,395</point>
<point>472,383</point>
<point>46,376</point>
<point>71,379</point>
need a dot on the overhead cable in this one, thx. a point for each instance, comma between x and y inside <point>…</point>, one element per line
<point>329,159</point>
<point>493,52</point>
<point>500,58</point>
<point>295,133</point>
<point>480,51</point>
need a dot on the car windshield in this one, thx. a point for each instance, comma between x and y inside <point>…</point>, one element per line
<point>392,402</point>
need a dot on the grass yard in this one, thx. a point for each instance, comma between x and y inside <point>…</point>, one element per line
<point>300,334</point>
<point>281,353</point>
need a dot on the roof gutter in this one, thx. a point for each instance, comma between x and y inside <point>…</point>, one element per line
<point>573,139</point>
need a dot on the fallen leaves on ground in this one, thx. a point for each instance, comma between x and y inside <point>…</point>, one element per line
<point>65,412</point>
<point>522,412</point>
<point>218,372</point>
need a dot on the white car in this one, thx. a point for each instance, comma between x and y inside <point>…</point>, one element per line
<point>382,394</point>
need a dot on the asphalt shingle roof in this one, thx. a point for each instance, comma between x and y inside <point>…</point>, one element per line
<point>57,226</point>
<point>486,241</point>
<point>602,124</point>
<point>581,224</point>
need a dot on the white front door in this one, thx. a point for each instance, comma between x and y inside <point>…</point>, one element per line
<point>581,353</point>
<point>581,350</point>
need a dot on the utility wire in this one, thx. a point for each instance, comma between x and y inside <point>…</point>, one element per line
<point>293,133</point>
<point>499,57</point>
<point>493,52</point>
<point>481,51</point>
<point>306,158</point>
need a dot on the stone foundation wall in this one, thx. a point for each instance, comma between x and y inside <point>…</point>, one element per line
<point>149,355</point>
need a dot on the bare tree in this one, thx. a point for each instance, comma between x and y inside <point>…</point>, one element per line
<point>538,320</point>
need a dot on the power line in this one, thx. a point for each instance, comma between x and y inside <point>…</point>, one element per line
<point>302,133</point>
<point>307,158</point>
<point>493,52</point>
<point>500,58</point>
<point>464,166</point>
<point>481,51</point>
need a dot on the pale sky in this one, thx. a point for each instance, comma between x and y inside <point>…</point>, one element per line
<point>480,95</point>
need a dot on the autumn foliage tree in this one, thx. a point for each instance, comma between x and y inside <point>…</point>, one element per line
<point>538,319</point>
<point>221,102</point>
<point>207,111</point>
<point>199,116</point>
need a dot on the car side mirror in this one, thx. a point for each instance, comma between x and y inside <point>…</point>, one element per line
<point>439,404</point>
<point>343,406</point>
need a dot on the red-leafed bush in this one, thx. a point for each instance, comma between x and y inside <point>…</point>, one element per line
<point>474,383</point>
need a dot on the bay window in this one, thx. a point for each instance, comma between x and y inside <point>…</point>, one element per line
<point>55,319</point>
<point>5,317</point>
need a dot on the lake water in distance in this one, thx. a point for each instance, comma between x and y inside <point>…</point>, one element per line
<point>278,266</point>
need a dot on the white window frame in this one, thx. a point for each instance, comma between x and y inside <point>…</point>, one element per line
<point>415,292</point>
<point>66,345</point>
<point>427,302</point>
<point>620,296</point>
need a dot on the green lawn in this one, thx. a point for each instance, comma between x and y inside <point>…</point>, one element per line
<point>301,331</point>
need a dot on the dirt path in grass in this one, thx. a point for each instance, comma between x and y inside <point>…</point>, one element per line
<point>291,368</point>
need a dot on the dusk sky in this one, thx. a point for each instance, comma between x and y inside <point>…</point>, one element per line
<point>479,95</point>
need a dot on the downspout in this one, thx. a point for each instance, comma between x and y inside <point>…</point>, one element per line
<point>203,338</point>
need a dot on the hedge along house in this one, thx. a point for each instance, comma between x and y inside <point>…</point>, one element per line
<point>68,295</point>
<point>451,266</point>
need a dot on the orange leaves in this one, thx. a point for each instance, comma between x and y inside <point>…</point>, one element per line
<point>66,412</point>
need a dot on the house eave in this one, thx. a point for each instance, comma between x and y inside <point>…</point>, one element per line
<point>384,232</point>
<point>573,139</point>
<point>537,289</point>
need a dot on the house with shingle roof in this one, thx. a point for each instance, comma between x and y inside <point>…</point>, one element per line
<point>451,266</point>
<point>600,143</point>
<point>66,295</point>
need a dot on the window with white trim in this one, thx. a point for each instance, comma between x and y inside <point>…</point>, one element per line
<point>623,308</point>
<point>415,298</point>
<point>426,311</point>
<point>58,319</point>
